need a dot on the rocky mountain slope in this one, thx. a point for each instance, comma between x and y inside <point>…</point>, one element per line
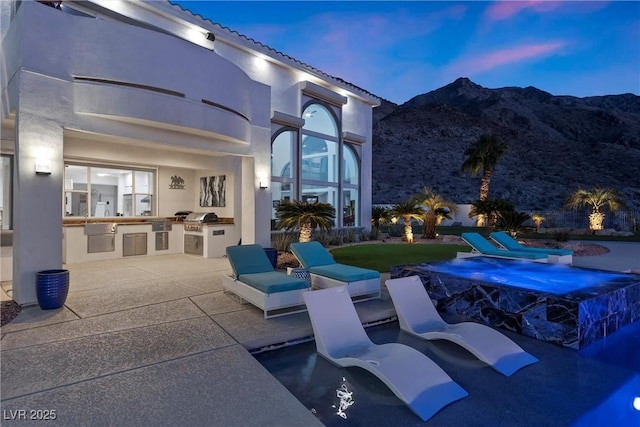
<point>556,144</point>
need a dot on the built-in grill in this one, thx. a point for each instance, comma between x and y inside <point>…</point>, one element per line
<point>195,220</point>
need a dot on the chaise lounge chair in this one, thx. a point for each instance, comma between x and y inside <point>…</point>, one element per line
<point>363,284</point>
<point>418,317</point>
<point>254,280</point>
<point>340,338</point>
<point>562,256</point>
<point>482,246</point>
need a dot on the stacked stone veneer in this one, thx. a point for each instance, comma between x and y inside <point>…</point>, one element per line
<point>574,320</point>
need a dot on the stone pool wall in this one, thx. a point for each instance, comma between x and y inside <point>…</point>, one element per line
<point>574,320</point>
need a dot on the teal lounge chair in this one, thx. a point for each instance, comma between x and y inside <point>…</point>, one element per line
<point>340,338</point>
<point>363,284</point>
<point>484,247</point>
<point>564,256</point>
<point>254,280</point>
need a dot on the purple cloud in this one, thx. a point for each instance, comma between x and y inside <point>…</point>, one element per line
<point>487,61</point>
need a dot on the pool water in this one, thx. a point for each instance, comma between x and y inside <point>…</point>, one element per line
<point>552,278</point>
<point>593,387</point>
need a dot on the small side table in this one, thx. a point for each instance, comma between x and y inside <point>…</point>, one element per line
<point>300,273</point>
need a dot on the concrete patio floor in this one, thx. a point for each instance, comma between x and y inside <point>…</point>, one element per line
<point>155,341</point>
<point>151,341</point>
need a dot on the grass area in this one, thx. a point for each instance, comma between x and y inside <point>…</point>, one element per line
<point>381,256</point>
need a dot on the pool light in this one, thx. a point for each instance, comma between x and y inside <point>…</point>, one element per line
<point>636,403</point>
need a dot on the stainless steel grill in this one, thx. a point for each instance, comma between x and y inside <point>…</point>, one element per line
<point>195,220</point>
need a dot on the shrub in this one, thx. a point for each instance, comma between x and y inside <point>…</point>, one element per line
<point>561,236</point>
<point>323,237</point>
<point>349,236</point>
<point>281,241</point>
<point>396,230</point>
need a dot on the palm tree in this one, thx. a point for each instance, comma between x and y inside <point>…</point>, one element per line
<point>537,219</point>
<point>511,221</point>
<point>437,208</point>
<point>378,214</point>
<point>305,215</point>
<point>407,210</point>
<point>483,156</point>
<point>596,198</point>
<point>490,208</point>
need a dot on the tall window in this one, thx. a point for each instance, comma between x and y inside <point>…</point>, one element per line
<point>313,165</point>
<point>6,167</point>
<point>94,191</point>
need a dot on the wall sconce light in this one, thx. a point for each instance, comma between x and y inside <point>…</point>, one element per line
<point>211,37</point>
<point>263,185</point>
<point>43,167</point>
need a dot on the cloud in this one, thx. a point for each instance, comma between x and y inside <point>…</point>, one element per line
<point>501,10</point>
<point>487,61</point>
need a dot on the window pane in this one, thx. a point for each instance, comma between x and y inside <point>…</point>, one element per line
<point>351,170</point>
<point>143,205</point>
<point>318,119</point>
<point>281,154</point>
<point>5,200</point>
<point>321,194</point>
<point>350,207</point>
<point>75,203</point>
<point>279,191</point>
<point>143,182</point>
<point>319,159</point>
<point>75,177</point>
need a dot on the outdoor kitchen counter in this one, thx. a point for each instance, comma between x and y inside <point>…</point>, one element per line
<point>114,238</point>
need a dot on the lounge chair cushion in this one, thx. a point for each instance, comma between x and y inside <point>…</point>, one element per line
<point>311,254</point>
<point>272,282</point>
<point>344,273</point>
<point>513,245</point>
<point>248,259</point>
<point>485,247</point>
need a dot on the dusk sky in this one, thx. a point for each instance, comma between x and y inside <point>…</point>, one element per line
<point>400,49</point>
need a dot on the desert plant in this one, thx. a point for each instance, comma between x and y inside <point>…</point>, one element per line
<point>407,210</point>
<point>373,234</point>
<point>306,216</point>
<point>561,236</point>
<point>349,236</point>
<point>597,198</point>
<point>323,237</point>
<point>281,241</point>
<point>378,215</point>
<point>511,221</point>
<point>396,230</point>
<point>490,208</point>
<point>483,156</point>
<point>436,209</point>
<point>537,220</point>
<point>335,239</point>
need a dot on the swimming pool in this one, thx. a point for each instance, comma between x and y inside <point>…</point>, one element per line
<point>556,279</point>
<point>566,388</point>
<point>566,305</point>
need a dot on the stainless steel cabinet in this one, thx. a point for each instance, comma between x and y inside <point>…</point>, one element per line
<point>134,244</point>
<point>193,244</point>
<point>162,240</point>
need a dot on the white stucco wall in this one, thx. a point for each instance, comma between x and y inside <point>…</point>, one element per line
<point>99,90</point>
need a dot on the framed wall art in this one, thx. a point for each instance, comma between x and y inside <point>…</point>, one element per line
<point>213,190</point>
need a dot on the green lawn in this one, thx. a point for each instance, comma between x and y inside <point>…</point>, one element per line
<point>381,256</point>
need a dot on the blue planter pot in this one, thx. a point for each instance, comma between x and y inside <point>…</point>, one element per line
<point>272,254</point>
<point>52,287</point>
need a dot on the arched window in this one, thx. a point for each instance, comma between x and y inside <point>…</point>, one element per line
<point>313,164</point>
<point>350,186</point>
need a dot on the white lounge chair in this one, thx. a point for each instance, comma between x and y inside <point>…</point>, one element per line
<point>418,317</point>
<point>340,338</point>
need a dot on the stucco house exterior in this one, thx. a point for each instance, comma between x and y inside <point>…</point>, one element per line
<point>128,112</point>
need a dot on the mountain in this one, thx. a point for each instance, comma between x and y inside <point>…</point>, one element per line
<point>557,144</point>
